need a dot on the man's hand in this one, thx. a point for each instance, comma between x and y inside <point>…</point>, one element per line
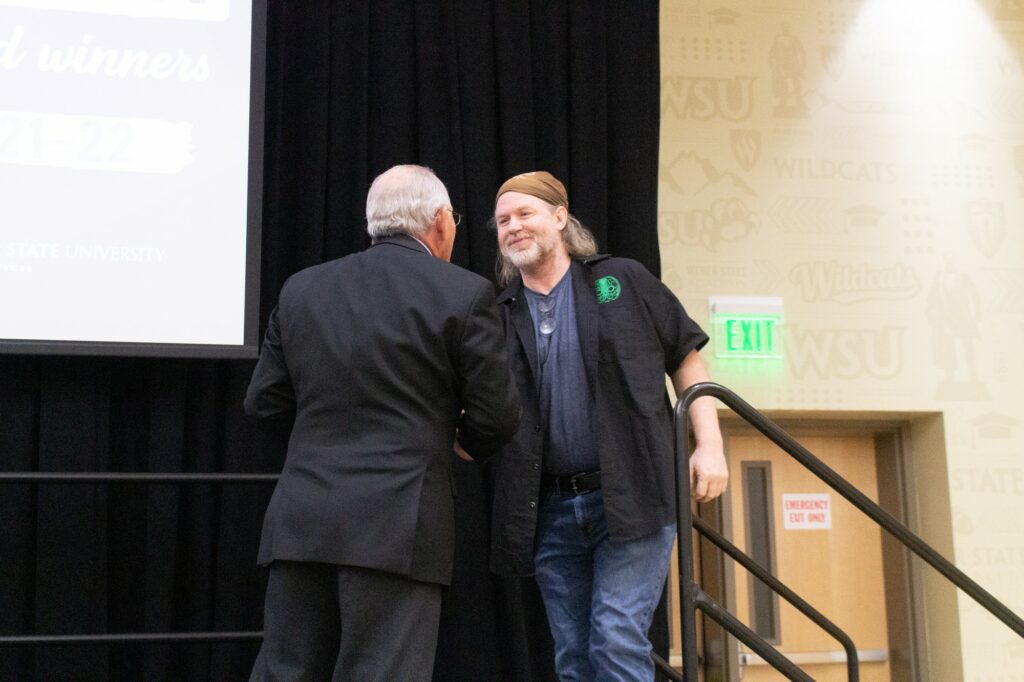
<point>709,475</point>
<point>461,453</point>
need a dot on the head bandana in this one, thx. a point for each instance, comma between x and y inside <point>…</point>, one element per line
<point>540,184</point>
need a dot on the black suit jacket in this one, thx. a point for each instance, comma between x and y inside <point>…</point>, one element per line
<point>375,356</point>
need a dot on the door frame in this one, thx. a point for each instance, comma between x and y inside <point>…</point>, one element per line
<point>897,493</point>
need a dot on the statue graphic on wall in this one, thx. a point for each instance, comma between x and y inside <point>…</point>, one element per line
<point>788,62</point>
<point>954,313</point>
<point>986,224</point>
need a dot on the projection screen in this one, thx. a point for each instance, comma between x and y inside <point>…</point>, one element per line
<point>130,176</point>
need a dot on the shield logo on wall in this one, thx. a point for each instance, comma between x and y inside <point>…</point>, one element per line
<point>833,58</point>
<point>986,225</point>
<point>746,147</point>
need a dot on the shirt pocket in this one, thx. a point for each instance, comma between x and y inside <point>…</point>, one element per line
<point>625,332</point>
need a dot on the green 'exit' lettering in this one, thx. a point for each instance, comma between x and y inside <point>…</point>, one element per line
<point>753,336</point>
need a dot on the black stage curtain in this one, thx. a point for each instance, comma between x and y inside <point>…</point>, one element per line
<point>476,90</point>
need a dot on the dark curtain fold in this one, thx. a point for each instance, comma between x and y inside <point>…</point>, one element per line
<point>476,90</point>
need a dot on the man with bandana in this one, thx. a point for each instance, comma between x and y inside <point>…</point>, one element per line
<point>584,495</point>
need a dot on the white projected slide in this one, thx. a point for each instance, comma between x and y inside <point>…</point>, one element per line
<point>124,159</point>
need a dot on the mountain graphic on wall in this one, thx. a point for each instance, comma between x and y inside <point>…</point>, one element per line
<point>689,174</point>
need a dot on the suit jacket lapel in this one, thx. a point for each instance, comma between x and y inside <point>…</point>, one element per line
<point>514,297</point>
<point>586,319</point>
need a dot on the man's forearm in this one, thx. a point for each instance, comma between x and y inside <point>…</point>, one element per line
<point>709,473</point>
<point>703,413</point>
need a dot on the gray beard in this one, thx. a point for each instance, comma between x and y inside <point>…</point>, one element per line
<point>526,258</point>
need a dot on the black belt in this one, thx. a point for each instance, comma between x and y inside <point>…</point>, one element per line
<point>577,484</point>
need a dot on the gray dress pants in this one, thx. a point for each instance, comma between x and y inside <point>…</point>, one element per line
<point>346,624</point>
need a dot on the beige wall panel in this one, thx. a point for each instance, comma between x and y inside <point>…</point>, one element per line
<point>864,159</point>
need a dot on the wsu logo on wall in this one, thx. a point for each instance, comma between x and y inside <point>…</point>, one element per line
<point>718,213</point>
<point>707,98</point>
<point>845,353</point>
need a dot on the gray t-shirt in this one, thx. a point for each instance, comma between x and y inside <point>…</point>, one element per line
<point>564,398</point>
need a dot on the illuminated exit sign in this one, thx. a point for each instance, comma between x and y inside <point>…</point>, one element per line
<point>749,336</point>
<point>747,326</point>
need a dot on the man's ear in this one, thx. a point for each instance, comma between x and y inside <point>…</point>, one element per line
<point>432,237</point>
<point>437,224</point>
<point>562,216</point>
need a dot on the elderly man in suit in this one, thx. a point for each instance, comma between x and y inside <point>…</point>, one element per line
<point>382,359</point>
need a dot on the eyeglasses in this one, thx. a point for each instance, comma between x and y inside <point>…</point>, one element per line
<point>456,216</point>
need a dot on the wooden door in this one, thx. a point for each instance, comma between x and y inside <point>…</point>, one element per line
<point>818,544</point>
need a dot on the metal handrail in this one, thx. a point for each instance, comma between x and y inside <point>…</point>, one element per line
<point>693,597</point>
<point>666,669</point>
<point>131,477</point>
<point>164,637</point>
<point>721,615</point>
<point>93,477</point>
<point>852,669</point>
<point>129,638</point>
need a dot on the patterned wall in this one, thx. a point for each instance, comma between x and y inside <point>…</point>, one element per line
<point>864,160</point>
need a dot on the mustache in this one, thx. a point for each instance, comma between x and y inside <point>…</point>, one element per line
<point>512,239</point>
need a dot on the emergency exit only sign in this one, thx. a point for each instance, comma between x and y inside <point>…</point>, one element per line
<point>807,511</point>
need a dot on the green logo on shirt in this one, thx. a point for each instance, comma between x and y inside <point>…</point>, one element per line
<point>608,289</point>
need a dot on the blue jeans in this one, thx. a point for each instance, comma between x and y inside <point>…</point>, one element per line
<point>599,595</point>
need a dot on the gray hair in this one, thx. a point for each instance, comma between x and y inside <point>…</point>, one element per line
<point>404,200</point>
<point>578,240</point>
